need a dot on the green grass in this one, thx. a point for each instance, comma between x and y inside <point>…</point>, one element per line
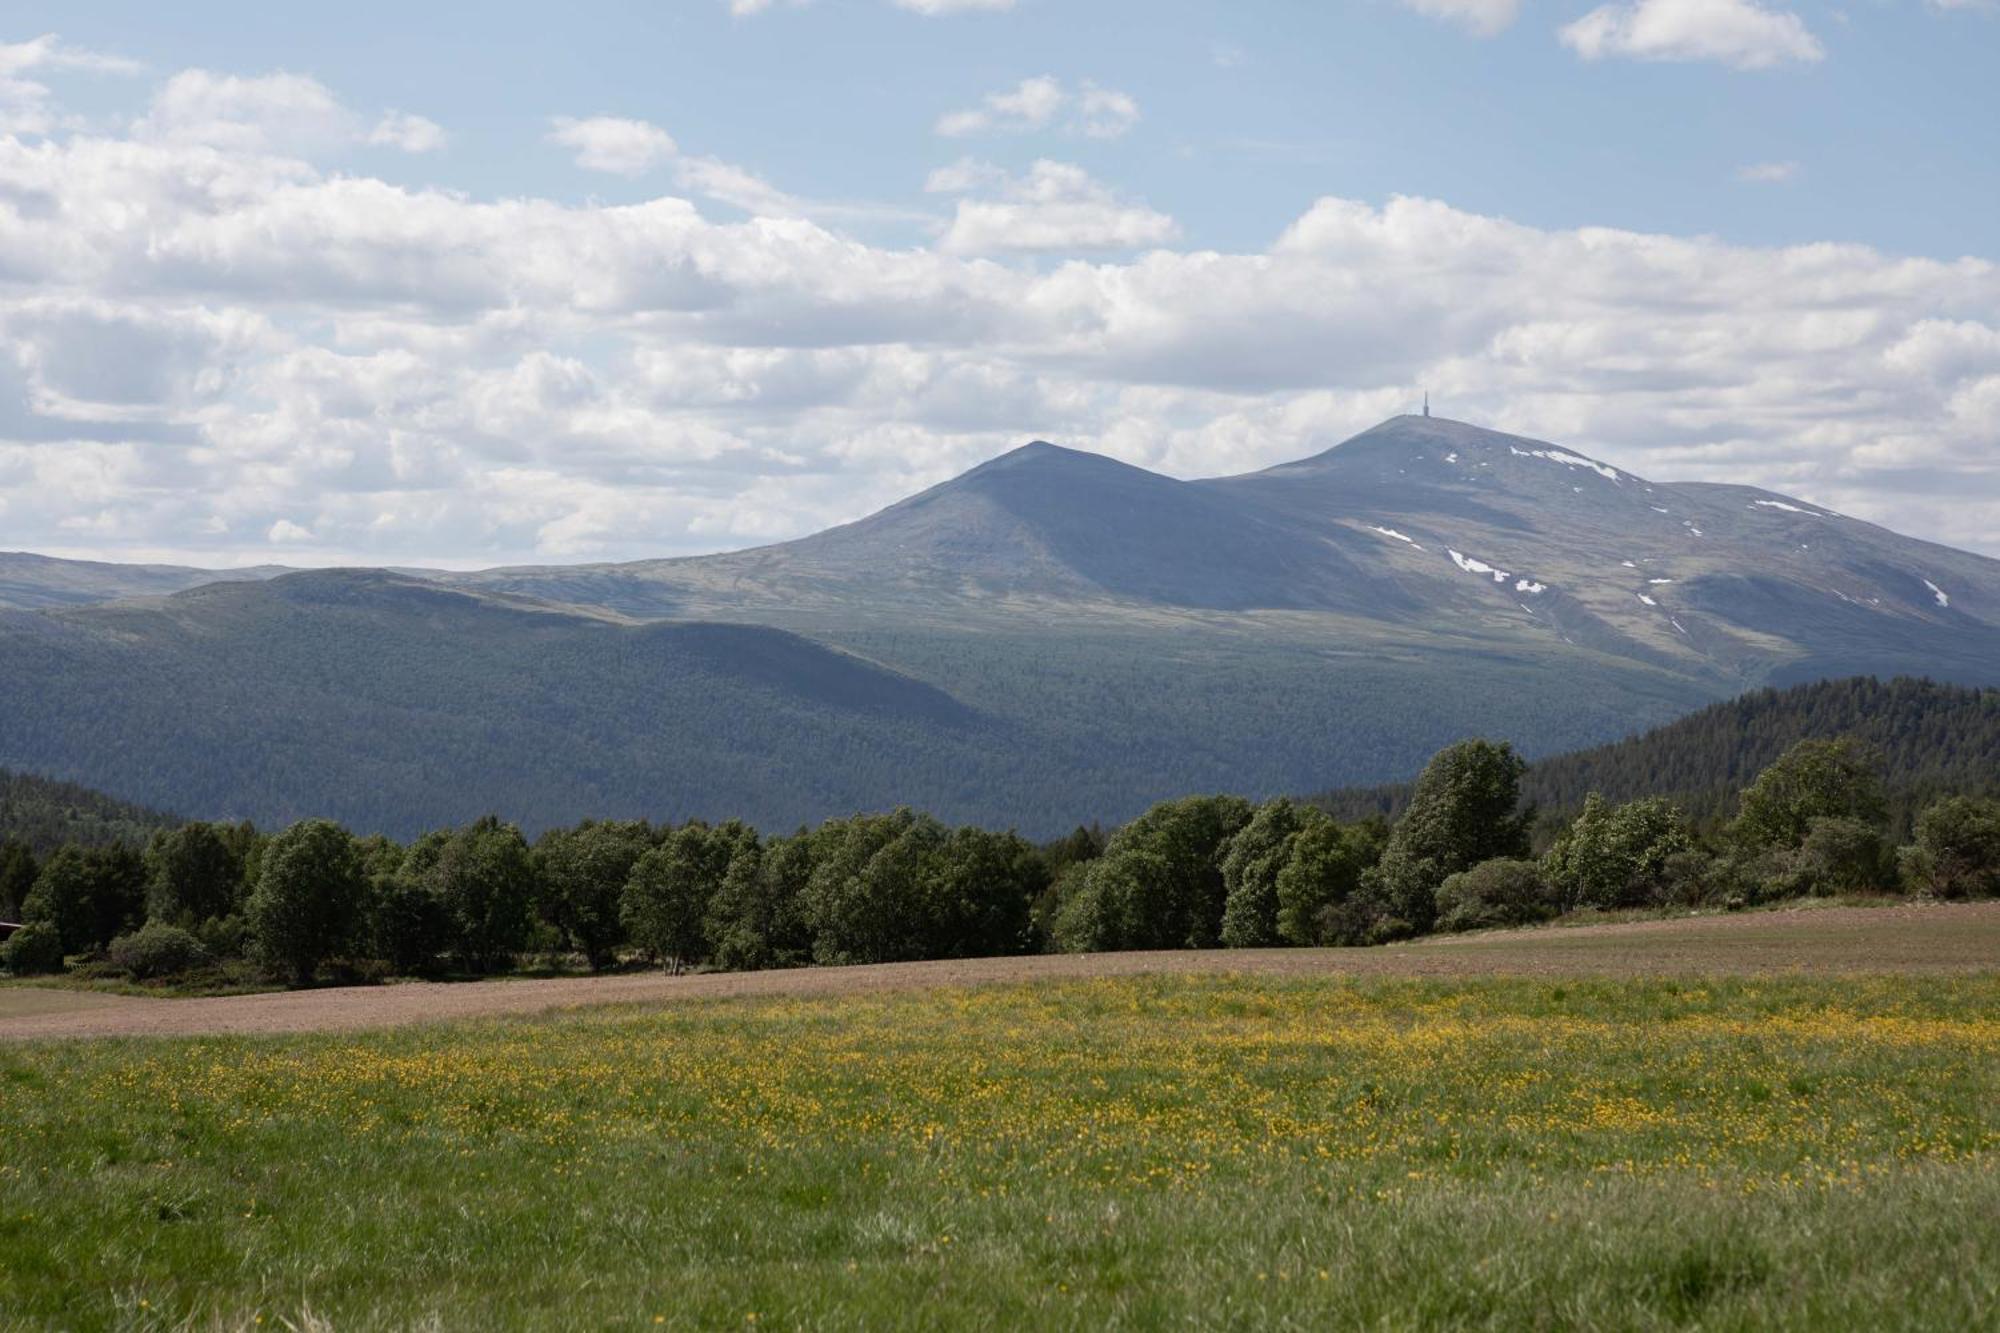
<point>1136,1152</point>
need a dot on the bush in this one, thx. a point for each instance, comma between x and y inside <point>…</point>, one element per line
<point>224,936</point>
<point>157,950</point>
<point>1494,893</point>
<point>1957,850</point>
<point>34,950</point>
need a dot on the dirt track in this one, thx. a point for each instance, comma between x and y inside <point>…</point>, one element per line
<point>1834,940</point>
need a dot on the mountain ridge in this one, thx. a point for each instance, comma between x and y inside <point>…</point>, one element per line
<point>1053,635</point>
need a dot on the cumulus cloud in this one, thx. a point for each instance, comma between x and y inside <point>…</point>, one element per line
<point>1055,206</point>
<point>24,99</point>
<point>213,350</point>
<point>1044,103</point>
<point>1484,18</point>
<point>411,133</point>
<point>612,144</point>
<point>1739,33</point>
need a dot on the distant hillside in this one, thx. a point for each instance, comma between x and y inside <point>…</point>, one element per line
<point>45,814</point>
<point>1934,739</point>
<point>1052,636</point>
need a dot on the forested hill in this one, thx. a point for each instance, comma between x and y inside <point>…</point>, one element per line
<point>45,813</point>
<point>1933,738</point>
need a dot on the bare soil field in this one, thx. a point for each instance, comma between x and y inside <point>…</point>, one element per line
<point>1913,939</point>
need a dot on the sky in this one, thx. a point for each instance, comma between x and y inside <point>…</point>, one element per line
<point>467,285</point>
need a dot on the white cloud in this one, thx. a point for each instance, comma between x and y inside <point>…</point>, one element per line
<point>281,113</point>
<point>411,133</point>
<point>1739,33</point>
<point>1769,173</point>
<point>201,341</point>
<point>25,101</point>
<point>1056,206</point>
<point>611,144</point>
<point>1043,103</point>
<point>1485,18</point>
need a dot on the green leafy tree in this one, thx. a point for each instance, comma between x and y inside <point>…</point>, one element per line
<point>1956,851</point>
<point>1494,893</point>
<point>1465,810</point>
<point>309,897</point>
<point>1159,883</point>
<point>1840,856</point>
<point>1107,909</point>
<point>582,874</point>
<point>90,896</point>
<point>193,874</point>
<point>1817,779</point>
<point>1617,856</point>
<point>17,876</point>
<point>1256,855</point>
<point>757,917</point>
<point>1319,885</point>
<point>408,924</point>
<point>666,901</point>
<point>484,878</point>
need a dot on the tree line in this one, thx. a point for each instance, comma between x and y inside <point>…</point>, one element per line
<point>1198,872</point>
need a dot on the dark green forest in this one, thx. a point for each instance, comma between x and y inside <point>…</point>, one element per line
<point>314,901</point>
<point>43,814</point>
<point>1934,739</point>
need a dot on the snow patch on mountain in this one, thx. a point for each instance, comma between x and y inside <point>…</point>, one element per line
<point>1474,566</point>
<point>1566,459</point>
<point>1399,536</point>
<point>1937,592</point>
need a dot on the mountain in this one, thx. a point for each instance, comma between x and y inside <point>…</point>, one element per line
<point>396,704</point>
<point>1933,739</point>
<point>1053,636</point>
<point>32,582</point>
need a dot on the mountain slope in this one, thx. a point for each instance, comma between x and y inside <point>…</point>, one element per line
<point>1052,636</point>
<point>1420,525</point>
<point>45,814</point>
<point>394,704</point>
<point>32,582</point>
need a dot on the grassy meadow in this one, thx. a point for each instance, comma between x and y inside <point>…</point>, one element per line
<point>1141,1151</point>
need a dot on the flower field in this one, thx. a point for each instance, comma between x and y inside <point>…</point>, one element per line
<point>1141,1151</point>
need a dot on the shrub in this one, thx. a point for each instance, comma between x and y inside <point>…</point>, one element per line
<point>1494,893</point>
<point>34,950</point>
<point>1956,853</point>
<point>157,950</point>
<point>224,936</point>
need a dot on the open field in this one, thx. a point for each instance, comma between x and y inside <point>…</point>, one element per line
<point>1290,1149</point>
<point>1932,938</point>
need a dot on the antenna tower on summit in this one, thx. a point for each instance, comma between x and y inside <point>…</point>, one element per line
<point>1427,402</point>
